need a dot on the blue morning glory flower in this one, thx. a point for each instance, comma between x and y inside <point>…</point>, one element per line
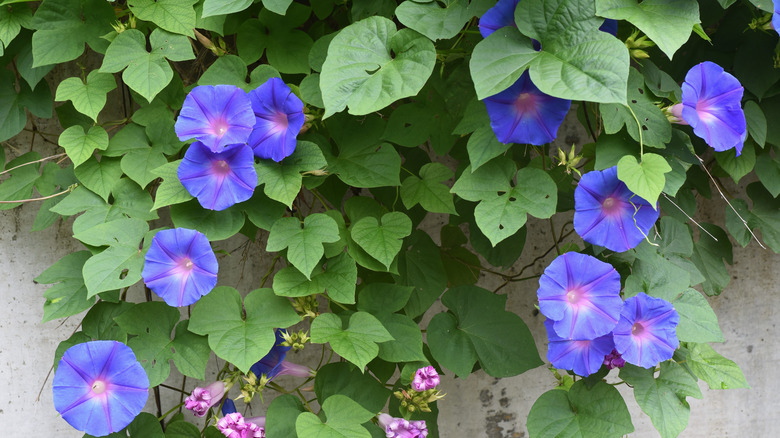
<point>776,15</point>
<point>582,295</point>
<point>99,387</point>
<point>218,179</point>
<point>646,333</point>
<point>711,104</point>
<point>523,114</point>
<point>500,15</point>
<point>608,214</point>
<point>609,26</point>
<point>278,120</point>
<point>216,115</point>
<point>583,357</point>
<point>180,266</point>
<point>274,364</point>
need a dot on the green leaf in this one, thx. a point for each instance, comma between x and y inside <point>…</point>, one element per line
<point>216,225</point>
<point>656,129</point>
<point>708,256</point>
<point>124,231</point>
<point>344,419</point>
<point>116,267</point>
<point>596,412</point>
<point>477,328</point>
<point>12,19</point>
<point>421,267</point>
<point>485,182</point>
<point>261,210</point>
<point>304,245</point>
<point>371,65</point>
<point>345,379</point>
<point>145,425</point>
<point>698,323</point>
<point>12,115</point>
<point>139,164</point>
<point>68,295</point>
<point>224,7</point>
<point>337,278</point>
<point>281,415</point>
<point>429,191</point>
<point>499,60</point>
<point>277,6</point>
<point>90,97</point>
<point>432,20</point>
<point>63,26</point>
<point>407,343</point>
<point>756,122</point>
<point>382,239</point>
<point>502,216</point>
<point>177,16</point>
<point>80,145</point>
<point>367,165</point>
<point>716,370</point>
<point>768,172</point>
<point>383,297</point>
<point>667,22</point>
<point>146,73</point>
<point>483,146</point>
<point>283,180</point>
<point>357,343</point>
<point>663,399</point>
<point>170,191</point>
<point>646,178</point>
<point>765,215</point>
<point>737,166</point>
<point>235,337</point>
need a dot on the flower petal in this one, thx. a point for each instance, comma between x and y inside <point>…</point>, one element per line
<point>582,357</point>
<point>215,115</point>
<point>500,15</point>
<point>278,120</point>
<point>218,179</point>
<point>646,333</point>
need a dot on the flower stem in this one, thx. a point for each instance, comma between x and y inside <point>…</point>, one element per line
<point>639,127</point>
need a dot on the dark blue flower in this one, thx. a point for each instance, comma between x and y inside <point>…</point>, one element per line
<point>646,333</point>
<point>523,114</point>
<point>216,115</point>
<point>99,387</point>
<point>609,26</point>
<point>270,364</point>
<point>218,179</point>
<point>180,266</point>
<point>583,357</point>
<point>776,15</point>
<point>500,15</point>
<point>278,119</point>
<point>608,214</point>
<point>711,100</point>
<point>582,295</point>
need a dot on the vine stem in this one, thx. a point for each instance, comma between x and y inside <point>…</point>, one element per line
<point>33,162</point>
<point>639,127</point>
<point>161,418</point>
<point>70,189</point>
<point>689,218</point>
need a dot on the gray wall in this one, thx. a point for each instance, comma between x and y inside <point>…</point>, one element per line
<point>479,406</point>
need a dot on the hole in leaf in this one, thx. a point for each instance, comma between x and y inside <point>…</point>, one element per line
<point>512,199</point>
<point>500,227</point>
<point>407,125</point>
<point>501,193</point>
<point>373,71</point>
<point>633,100</point>
<point>641,91</point>
<point>123,274</point>
<point>644,128</point>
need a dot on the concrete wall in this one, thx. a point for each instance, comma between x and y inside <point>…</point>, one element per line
<point>479,406</point>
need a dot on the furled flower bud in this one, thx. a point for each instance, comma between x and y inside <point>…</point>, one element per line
<point>400,428</point>
<point>614,360</point>
<point>425,378</point>
<point>202,399</point>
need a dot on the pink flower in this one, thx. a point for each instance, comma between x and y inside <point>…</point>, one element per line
<point>202,399</point>
<point>425,378</point>
<point>400,428</point>
<point>235,426</point>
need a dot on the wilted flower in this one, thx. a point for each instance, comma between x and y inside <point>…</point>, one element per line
<point>218,179</point>
<point>216,115</point>
<point>646,333</point>
<point>523,114</point>
<point>608,214</point>
<point>711,104</point>
<point>400,428</point>
<point>202,399</point>
<point>582,295</point>
<point>584,357</point>
<point>99,387</point>
<point>425,378</point>
<point>278,119</point>
<point>273,364</point>
<point>180,266</point>
<point>614,360</point>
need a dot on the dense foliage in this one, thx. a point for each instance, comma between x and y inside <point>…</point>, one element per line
<point>327,131</point>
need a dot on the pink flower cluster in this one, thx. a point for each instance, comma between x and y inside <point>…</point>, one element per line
<point>235,426</point>
<point>202,399</point>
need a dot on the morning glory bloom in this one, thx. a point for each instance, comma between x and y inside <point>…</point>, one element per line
<point>217,115</point>
<point>218,179</point>
<point>711,104</point>
<point>614,360</point>
<point>582,295</point>
<point>234,425</point>
<point>425,378</point>
<point>400,428</point>
<point>609,26</point>
<point>523,114</point>
<point>776,15</point>
<point>608,214</point>
<point>99,387</point>
<point>646,333</point>
<point>202,399</point>
<point>500,15</point>
<point>583,357</point>
<point>274,364</point>
<point>278,120</point>
<point>180,266</point>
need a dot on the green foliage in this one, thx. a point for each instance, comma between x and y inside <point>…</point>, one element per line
<point>357,342</point>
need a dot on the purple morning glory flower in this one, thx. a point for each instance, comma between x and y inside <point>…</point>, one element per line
<point>776,15</point>
<point>711,104</point>
<point>273,364</point>
<point>202,399</point>
<point>609,26</point>
<point>218,179</point>
<point>646,333</point>
<point>583,357</point>
<point>608,214</point>
<point>99,387</point>
<point>180,266</point>
<point>400,428</point>
<point>500,15</point>
<point>614,360</point>
<point>234,425</point>
<point>216,115</point>
<point>279,118</point>
<point>523,114</point>
<point>425,378</point>
<point>582,295</point>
